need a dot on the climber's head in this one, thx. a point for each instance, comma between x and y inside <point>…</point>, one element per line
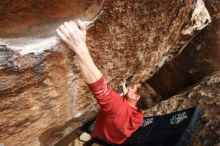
<point>141,95</point>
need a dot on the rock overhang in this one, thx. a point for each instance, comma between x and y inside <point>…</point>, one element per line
<point>29,26</point>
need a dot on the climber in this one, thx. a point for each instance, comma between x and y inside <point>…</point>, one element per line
<point>119,116</point>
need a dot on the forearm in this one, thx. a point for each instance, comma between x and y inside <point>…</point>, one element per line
<point>73,33</point>
<point>89,70</point>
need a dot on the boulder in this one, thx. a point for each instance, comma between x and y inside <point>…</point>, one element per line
<point>43,96</point>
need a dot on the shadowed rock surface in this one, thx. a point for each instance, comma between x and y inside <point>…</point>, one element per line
<point>41,89</point>
<point>200,58</point>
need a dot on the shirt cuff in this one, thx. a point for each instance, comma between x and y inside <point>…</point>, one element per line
<point>96,83</point>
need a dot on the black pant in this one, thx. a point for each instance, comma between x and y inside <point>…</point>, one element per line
<point>173,129</point>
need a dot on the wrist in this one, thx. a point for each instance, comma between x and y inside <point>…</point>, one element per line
<point>84,57</point>
<point>79,48</point>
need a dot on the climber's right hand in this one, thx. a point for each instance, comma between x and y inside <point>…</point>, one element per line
<point>73,34</point>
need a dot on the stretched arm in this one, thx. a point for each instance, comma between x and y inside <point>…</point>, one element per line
<point>73,33</point>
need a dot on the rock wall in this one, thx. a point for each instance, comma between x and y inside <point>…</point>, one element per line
<point>200,58</point>
<point>41,89</point>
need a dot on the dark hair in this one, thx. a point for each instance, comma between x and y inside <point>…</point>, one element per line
<point>148,97</point>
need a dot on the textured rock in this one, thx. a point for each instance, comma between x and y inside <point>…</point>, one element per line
<point>43,95</point>
<point>206,94</point>
<point>28,26</point>
<point>200,58</point>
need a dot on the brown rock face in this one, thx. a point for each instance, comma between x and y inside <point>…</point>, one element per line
<point>42,93</point>
<point>200,58</point>
<point>32,18</point>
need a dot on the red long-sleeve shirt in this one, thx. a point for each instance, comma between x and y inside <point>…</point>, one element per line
<point>116,120</point>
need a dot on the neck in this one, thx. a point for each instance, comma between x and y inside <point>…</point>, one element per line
<point>132,104</point>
